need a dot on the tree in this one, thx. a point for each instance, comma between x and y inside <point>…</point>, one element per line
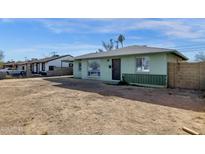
<point>1,58</point>
<point>121,39</point>
<point>111,45</point>
<point>53,54</point>
<point>100,50</point>
<point>117,44</point>
<point>200,56</point>
<point>1,55</point>
<point>108,46</point>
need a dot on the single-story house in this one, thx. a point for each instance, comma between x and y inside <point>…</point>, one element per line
<point>22,66</point>
<point>19,65</point>
<point>141,65</point>
<point>50,63</point>
<point>10,64</point>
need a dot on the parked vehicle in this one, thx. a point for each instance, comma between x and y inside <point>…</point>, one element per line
<point>13,72</point>
<point>43,73</point>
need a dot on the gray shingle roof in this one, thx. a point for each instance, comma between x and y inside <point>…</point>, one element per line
<point>43,60</point>
<point>55,57</point>
<point>130,50</point>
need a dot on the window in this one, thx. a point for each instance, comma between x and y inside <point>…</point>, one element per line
<point>43,67</point>
<point>94,68</point>
<point>51,68</point>
<point>79,66</point>
<point>23,67</point>
<point>70,64</point>
<point>142,64</point>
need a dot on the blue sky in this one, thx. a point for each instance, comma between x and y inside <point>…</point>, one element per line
<point>36,38</point>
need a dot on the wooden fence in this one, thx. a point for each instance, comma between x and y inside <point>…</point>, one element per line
<point>186,75</point>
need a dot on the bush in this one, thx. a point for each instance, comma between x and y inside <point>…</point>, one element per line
<point>1,64</point>
<point>123,82</point>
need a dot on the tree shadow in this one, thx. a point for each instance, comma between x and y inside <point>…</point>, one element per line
<point>176,98</point>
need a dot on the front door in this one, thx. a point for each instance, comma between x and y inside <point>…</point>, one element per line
<point>116,69</point>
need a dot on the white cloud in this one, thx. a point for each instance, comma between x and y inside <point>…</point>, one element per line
<point>68,47</point>
<point>44,50</point>
<point>172,28</point>
<point>65,26</point>
<point>132,37</point>
<point>178,28</point>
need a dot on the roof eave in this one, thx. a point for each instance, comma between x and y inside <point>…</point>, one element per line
<point>180,55</point>
<point>171,51</point>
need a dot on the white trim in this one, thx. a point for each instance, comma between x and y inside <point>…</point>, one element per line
<point>143,70</point>
<point>93,76</point>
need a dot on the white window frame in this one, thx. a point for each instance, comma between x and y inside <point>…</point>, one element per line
<point>93,73</point>
<point>142,69</point>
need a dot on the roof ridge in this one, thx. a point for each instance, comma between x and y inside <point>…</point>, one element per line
<point>129,50</point>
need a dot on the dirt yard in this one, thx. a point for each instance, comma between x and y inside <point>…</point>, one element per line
<point>69,106</point>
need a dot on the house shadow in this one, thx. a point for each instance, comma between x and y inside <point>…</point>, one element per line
<point>175,98</point>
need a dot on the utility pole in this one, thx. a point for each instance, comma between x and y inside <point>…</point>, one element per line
<point>53,53</point>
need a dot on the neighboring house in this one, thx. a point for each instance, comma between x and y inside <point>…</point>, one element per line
<point>50,63</point>
<point>21,65</point>
<point>16,65</point>
<point>10,64</point>
<point>139,65</point>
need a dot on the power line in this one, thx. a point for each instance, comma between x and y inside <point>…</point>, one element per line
<point>190,48</point>
<point>190,45</point>
<point>202,48</point>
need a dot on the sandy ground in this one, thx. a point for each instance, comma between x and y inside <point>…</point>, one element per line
<point>70,106</point>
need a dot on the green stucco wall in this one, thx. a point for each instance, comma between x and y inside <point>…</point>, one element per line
<point>76,73</point>
<point>158,66</point>
<point>106,72</point>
